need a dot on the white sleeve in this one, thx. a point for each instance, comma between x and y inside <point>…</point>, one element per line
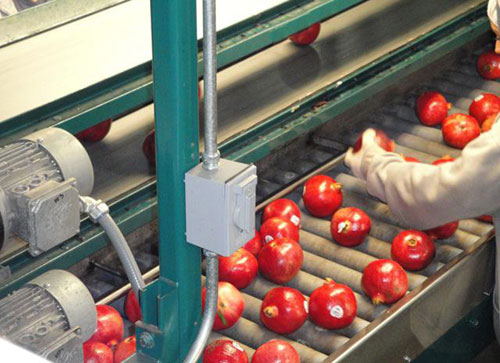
<point>494,11</point>
<point>424,196</point>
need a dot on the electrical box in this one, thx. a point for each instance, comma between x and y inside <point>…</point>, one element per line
<point>220,206</point>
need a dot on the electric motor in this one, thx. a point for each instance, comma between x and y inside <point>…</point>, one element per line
<point>41,177</point>
<point>51,316</point>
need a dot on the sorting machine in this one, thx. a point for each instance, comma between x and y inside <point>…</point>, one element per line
<point>291,111</point>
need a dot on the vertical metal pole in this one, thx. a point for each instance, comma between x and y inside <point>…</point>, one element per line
<point>176,123</point>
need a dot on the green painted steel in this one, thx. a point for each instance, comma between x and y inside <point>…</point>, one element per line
<point>130,213</point>
<point>132,89</point>
<point>465,340</point>
<point>176,123</point>
<point>345,93</point>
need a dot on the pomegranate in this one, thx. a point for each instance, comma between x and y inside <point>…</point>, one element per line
<point>384,281</point>
<point>431,108</point>
<point>413,250</point>
<point>444,159</point>
<point>332,306</point>
<point>276,351</point>
<point>306,36</point>
<point>350,226</point>
<point>488,123</point>
<point>488,65</point>
<point>239,269</point>
<point>224,351</point>
<point>230,305</point>
<point>131,307</point>
<point>484,105</point>
<point>486,218</point>
<point>322,195</point>
<point>283,310</point>
<point>125,349</point>
<point>459,129</point>
<point>380,138</point>
<point>275,228</point>
<point>96,132</point>
<point>109,326</point>
<point>280,260</point>
<point>284,209</point>
<point>96,352</point>
<point>445,231</point>
<point>410,159</point>
<point>254,245</point>
<point>148,148</point>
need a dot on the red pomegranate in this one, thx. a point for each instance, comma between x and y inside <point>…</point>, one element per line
<point>131,307</point>
<point>224,351</point>
<point>459,129</point>
<point>486,218</point>
<point>280,260</point>
<point>283,310</point>
<point>431,108</point>
<point>380,138</point>
<point>285,209</point>
<point>484,105</point>
<point>332,306</point>
<point>442,232</point>
<point>306,36</point>
<point>239,269</point>
<point>230,305</point>
<point>413,250</point>
<point>322,195</point>
<point>96,352</point>
<point>350,226</point>
<point>444,159</point>
<point>276,351</point>
<point>488,65</point>
<point>384,281</point>
<point>410,159</point>
<point>109,326</point>
<point>275,228</point>
<point>96,132</point>
<point>148,148</point>
<point>488,123</point>
<point>254,245</point>
<point>125,349</point>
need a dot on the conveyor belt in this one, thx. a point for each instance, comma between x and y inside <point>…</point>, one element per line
<point>323,257</point>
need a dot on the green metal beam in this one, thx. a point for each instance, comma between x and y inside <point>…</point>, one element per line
<point>176,123</point>
<point>132,89</point>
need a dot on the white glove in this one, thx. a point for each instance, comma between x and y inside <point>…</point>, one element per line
<point>358,161</point>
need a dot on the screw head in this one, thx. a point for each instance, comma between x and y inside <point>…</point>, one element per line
<point>146,340</point>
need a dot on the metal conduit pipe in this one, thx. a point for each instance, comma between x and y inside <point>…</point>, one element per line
<point>98,212</point>
<point>211,157</point>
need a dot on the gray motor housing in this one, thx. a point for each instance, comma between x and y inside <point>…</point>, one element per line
<point>41,177</point>
<point>50,316</point>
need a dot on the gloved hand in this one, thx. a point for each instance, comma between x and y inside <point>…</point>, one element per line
<point>358,161</point>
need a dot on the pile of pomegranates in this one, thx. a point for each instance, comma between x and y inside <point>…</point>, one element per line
<point>274,228</point>
<point>224,351</point>
<point>442,232</point>
<point>488,65</point>
<point>285,209</point>
<point>125,349</point>
<point>109,328</point>
<point>412,249</point>
<point>239,269</point>
<point>431,108</point>
<point>483,106</point>
<point>283,310</point>
<point>488,123</point>
<point>254,245</point>
<point>131,307</point>
<point>332,306</point>
<point>459,129</point>
<point>230,305</point>
<point>350,226</point>
<point>306,36</point>
<point>384,281</point>
<point>280,260</point>
<point>322,195</point>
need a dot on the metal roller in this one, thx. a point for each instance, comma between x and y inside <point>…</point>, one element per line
<point>254,335</point>
<point>385,121</point>
<point>474,82</point>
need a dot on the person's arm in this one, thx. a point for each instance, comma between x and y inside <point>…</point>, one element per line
<point>494,16</point>
<point>425,196</point>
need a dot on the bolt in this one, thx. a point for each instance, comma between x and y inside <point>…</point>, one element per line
<point>407,358</point>
<point>146,340</point>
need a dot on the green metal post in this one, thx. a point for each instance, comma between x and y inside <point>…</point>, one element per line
<point>176,122</point>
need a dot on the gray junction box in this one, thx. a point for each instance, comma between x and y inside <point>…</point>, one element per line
<point>220,206</point>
